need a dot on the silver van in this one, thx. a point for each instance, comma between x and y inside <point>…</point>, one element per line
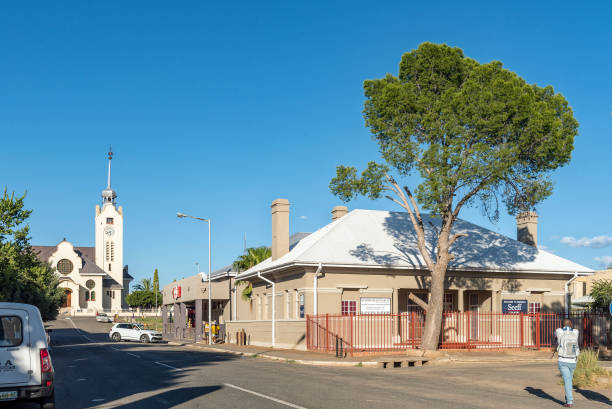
<point>26,371</point>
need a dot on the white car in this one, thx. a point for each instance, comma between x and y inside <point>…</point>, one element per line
<point>102,317</point>
<point>26,371</point>
<point>133,332</point>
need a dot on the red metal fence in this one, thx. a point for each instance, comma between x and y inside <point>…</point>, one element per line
<point>460,330</point>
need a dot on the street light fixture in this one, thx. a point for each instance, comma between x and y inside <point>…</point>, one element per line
<point>182,216</point>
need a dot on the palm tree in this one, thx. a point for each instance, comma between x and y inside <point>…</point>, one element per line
<point>144,285</point>
<point>251,257</point>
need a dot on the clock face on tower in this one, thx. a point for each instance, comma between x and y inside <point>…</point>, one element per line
<point>109,231</point>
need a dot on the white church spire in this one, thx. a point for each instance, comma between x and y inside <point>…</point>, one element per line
<point>108,194</point>
<point>110,158</point>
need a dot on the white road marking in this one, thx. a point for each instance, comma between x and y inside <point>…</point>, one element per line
<point>168,366</point>
<point>116,349</point>
<point>97,400</point>
<point>261,395</point>
<point>81,334</point>
<point>137,356</point>
<point>80,359</point>
<point>80,380</point>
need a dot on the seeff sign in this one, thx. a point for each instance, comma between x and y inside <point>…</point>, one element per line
<point>514,306</point>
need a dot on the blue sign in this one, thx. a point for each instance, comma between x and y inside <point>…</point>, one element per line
<point>514,306</point>
<point>611,308</point>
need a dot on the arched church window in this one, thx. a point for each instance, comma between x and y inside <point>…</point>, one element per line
<point>90,284</point>
<point>93,296</point>
<point>86,295</point>
<point>65,266</point>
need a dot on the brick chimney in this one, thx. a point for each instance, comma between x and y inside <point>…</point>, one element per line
<point>527,228</point>
<point>338,212</point>
<point>280,228</point>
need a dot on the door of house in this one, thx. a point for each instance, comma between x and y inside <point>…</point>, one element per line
<point>415,319</point>
<point>474,308</point>
<point>68,301</point>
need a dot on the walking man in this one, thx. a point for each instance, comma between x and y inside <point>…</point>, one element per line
<point>567,349</point>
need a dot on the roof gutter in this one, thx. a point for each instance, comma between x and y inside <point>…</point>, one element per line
<point>315,287</point>
<point>387,267</point>
<point>567,294</point>
<point>273,307</point>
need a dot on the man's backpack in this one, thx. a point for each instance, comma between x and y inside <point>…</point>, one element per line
<point>568,344</point>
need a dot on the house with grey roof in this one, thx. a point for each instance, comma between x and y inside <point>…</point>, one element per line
<point>367,261</point>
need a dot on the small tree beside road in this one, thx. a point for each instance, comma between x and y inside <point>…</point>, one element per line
<point>145,294</point>
<point>144,285</point>
<point>472,134</point>
<point>601,292</point>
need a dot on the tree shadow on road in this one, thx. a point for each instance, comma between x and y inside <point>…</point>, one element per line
<point>594,396</point>
<point>170,398</point>
<point>541,394</point>
<point>125,369</point>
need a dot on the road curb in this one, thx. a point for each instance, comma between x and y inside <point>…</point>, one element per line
<point>288,360</point>
<point>364,364</point>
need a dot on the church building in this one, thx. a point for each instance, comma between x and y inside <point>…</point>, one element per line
<point>95,278</point>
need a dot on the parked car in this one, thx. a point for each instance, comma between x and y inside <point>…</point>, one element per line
<point>26,371</point>
<point>133,332</point>
<point>102,317</point>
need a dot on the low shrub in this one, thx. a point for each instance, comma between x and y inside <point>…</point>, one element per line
<point>587,369</point>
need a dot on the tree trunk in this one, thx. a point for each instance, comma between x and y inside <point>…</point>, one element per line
<point>433,317</point>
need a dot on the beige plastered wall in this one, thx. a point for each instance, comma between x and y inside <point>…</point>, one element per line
<point>337,285</point>
<point>290,334</point>
<point>193,288</point>
<point>583,285</point>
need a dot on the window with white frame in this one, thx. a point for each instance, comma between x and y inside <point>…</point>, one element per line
<point>349,307</point>
<point>287,304</point>
<point>258,307</point>
<point>534,307</point>
<point>301,306</point>
<point>449,302</point>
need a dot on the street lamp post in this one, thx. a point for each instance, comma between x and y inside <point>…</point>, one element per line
<point>182,215</point>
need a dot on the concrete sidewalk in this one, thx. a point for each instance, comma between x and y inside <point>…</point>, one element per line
<point>374,360</point>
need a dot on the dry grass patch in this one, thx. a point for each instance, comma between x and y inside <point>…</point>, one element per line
<point>588,372</point>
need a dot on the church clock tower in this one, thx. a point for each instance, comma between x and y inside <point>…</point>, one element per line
<point>109,233</point>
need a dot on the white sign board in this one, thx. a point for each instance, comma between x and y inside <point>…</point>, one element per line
<point>375,305</point>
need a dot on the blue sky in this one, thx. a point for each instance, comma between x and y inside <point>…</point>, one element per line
<point>216,109</point>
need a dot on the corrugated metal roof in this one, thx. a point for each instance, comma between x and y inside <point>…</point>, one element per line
<point>374,238</point>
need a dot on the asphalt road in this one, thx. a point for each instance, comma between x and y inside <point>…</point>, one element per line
<point>95,373</point>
